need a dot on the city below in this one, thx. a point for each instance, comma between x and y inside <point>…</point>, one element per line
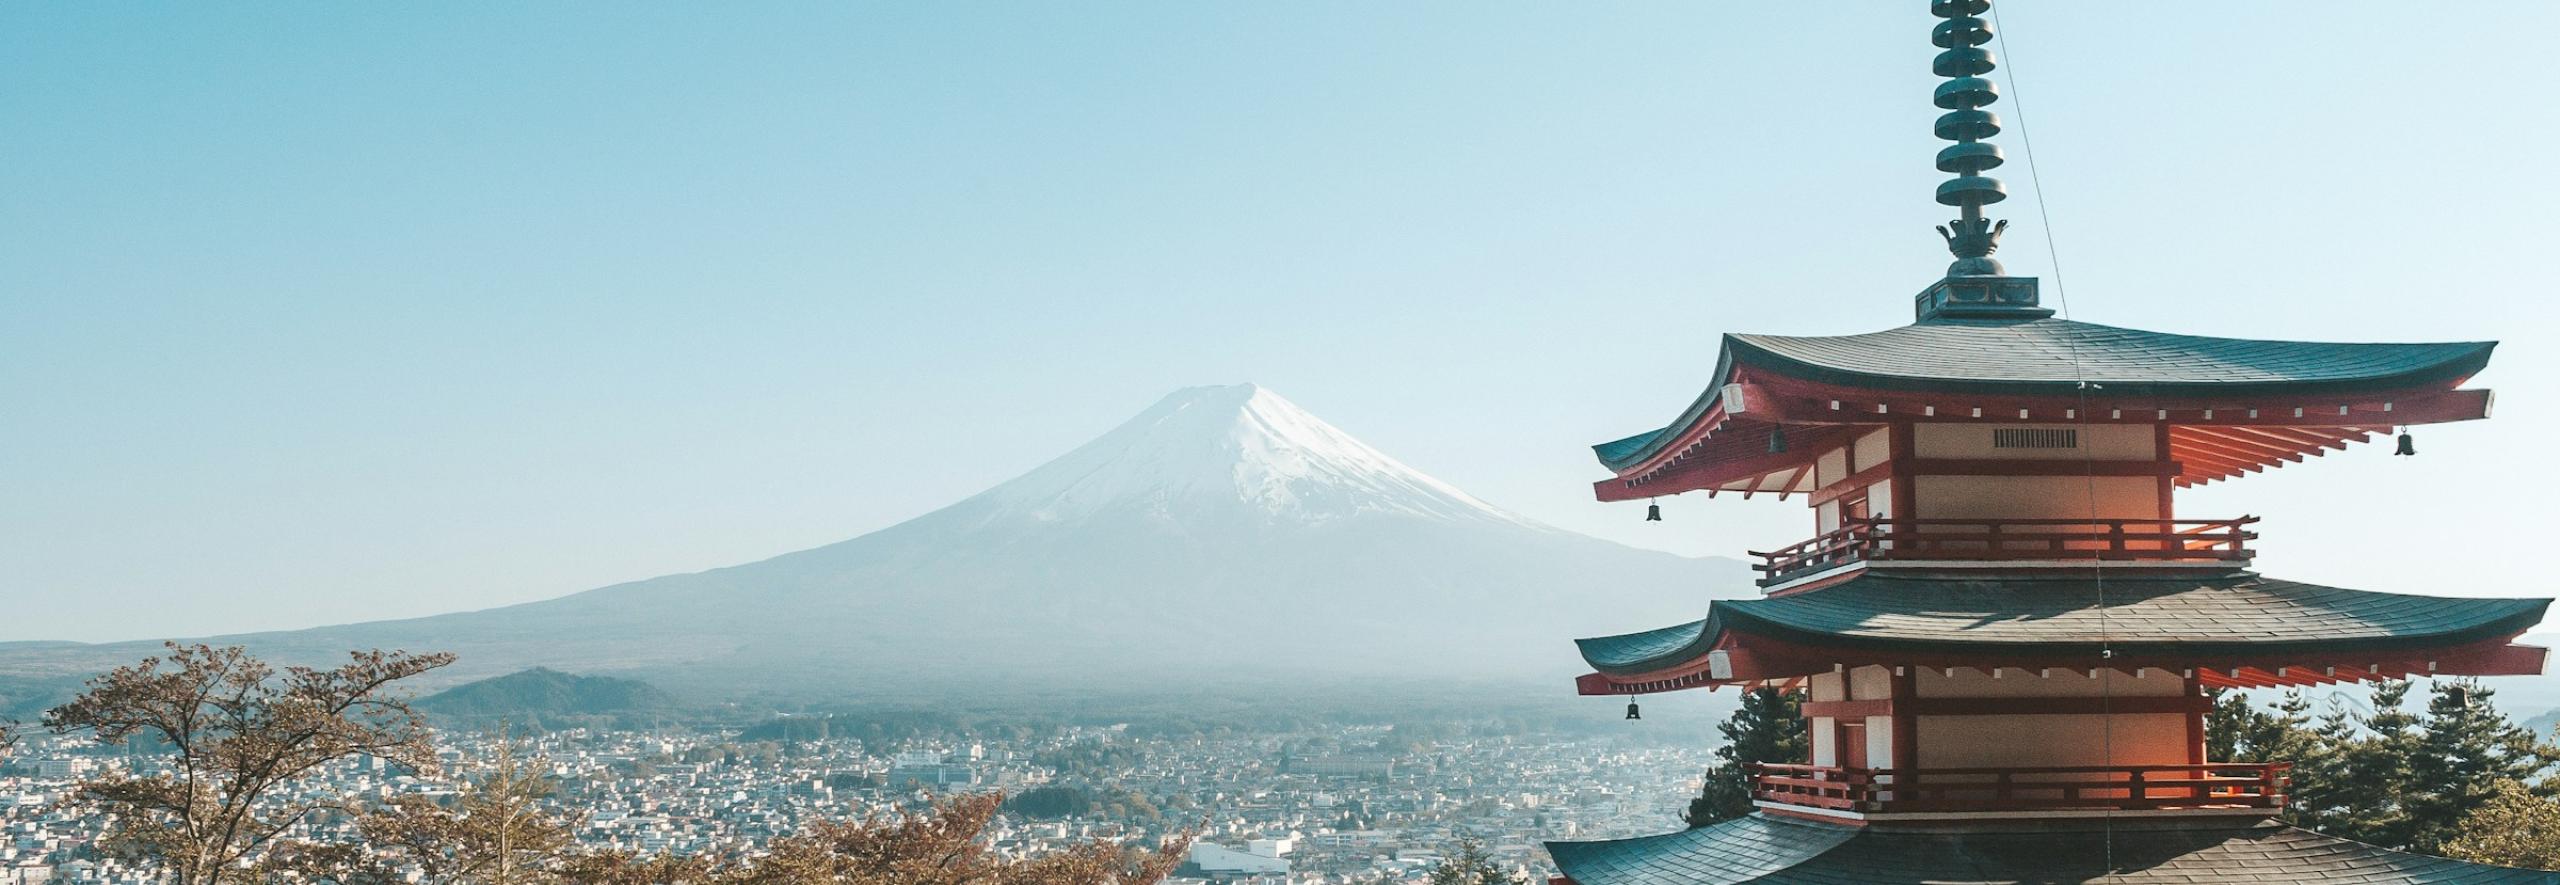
<point>1352,803</point>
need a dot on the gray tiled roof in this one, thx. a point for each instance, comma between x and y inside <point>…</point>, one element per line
<point>1737,850</point>
<point>2051,357</point>
<point>2234,612</point>
<point>1761,849</point>
<point>2063,352</point>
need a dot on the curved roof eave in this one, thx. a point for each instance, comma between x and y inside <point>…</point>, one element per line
<point>2052,357</point>
<point>1620,454</point>
<point>2127,362</point>
<point>2243,615</point>
<point>1656,649</point>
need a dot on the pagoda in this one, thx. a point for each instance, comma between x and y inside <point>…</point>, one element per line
<point>2004,627</point>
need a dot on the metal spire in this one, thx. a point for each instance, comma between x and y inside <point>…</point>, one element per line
<point>1975,287</point>
<point>1965,93</point>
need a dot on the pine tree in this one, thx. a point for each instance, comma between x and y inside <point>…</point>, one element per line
<point>2228,725</point>
<point>2465,751</point>
<point>2324,794</point>
<point>1471,865</point>
<point>2388,777</point>
<point>1770,727</point>
<point>2376,771</point>
<point>2237,731</point>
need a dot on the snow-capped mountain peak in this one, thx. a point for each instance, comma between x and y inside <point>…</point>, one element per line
<point>1210,449</point>
<point>1222,537</point>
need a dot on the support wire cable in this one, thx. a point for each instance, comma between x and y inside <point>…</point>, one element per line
<point>2089,465</point>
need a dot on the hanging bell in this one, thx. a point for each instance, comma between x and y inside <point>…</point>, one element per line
<point>1652,512</point>
<point>2408,444</point>
<point>1631,711</point>
<point>1777,439</point>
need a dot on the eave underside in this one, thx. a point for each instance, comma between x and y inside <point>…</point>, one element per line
<point>1973,363</point>
<point>2235,629</point>
<point>1726,445</point>
<point>1751,662</point>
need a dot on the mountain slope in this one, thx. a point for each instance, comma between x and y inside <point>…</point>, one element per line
<point>540,691</point>
<point>1223,535</point>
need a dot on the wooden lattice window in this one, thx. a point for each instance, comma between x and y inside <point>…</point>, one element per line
<point>2034,438</point>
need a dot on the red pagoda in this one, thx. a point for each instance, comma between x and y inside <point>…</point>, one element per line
<point>2004,626</point>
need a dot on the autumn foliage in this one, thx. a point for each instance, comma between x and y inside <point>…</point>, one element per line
<point>941,848</point>
<point>241,732</point>
<point>238,730</point>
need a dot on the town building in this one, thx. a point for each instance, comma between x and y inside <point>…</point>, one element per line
<point>1344,766</point>
<point>930,770</point>
<point>2004,626</point>
<point>1220,863</point>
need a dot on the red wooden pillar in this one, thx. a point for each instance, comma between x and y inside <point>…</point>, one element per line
<point>1905,447</point>
<point>2168,481</point>
<point>2195,723</point>
<point>1906,725</point>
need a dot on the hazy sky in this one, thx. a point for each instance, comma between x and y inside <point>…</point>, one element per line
<point>326,312</point>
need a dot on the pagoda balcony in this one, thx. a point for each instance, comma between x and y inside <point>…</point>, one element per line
<point>2227,787</point>
<point>2011,542</point>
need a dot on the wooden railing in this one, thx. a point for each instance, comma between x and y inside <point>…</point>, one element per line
<point>2123,787</point>
<point>1862,539</point>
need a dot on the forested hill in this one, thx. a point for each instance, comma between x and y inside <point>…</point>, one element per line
<point>544,692</point>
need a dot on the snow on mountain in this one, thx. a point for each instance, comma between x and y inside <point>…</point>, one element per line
<point>1215,447</point>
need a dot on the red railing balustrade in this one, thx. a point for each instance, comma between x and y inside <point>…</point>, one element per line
<point>1878,539</point>
<point>2218,785</point>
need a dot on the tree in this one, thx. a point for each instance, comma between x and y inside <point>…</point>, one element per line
<point>2237,731</point>
<point>2466,751</point>
<point>855,780</point>
<point>2349,771</point>
<point>332,863</point>
<point>238,730</point>
<point>2373,774</point>
<point>1472,865</point>
<point>939,847</point>
<point>1051,802</point>
<point>2325,792</point>
<point>2511,827</point>
<point>625,868</point>
<point>2388,776</point>
<point>1770,727</point>
<point>495,832</point>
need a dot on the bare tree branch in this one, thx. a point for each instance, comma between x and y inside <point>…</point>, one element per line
<point>239,731</point>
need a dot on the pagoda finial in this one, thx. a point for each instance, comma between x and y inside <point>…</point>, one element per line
<point>1964,95</point>
<point>1975,287</point>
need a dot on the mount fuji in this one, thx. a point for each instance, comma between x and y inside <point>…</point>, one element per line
<point>1223,535</point>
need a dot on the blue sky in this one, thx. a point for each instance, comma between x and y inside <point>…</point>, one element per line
<point>324,312</point>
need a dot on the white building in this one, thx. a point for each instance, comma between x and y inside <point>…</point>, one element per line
<point>1212,860</point>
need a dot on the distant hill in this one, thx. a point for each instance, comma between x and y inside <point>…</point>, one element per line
<point>542,692</point>
<point>26,699</point>
<point>1223,542</point>
<point>2542,724</point>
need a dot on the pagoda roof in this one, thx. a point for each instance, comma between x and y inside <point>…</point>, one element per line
<point>2230,613</point>
<point>2052,357</point>
<point>1762,848</point>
